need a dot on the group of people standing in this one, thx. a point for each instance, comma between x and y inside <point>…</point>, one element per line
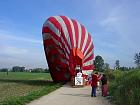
<point>95,81</point>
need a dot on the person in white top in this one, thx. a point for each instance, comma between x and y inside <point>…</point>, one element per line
<point>79,74</point>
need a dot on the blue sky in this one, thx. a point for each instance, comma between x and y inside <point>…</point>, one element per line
<point>113,24</point>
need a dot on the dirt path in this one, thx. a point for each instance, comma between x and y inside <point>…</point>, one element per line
<point>67,95</point>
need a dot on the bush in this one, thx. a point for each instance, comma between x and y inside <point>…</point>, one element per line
<point>109,74</point>
<point>125,88</point>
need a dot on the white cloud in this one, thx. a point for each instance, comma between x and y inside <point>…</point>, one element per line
<point>30,58</point>
<point>10,50</point>
<point>12,36</point>
<point>19,48</point>
<point>121,24</point>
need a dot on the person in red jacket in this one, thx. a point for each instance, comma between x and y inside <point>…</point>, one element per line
<point>94,84</point>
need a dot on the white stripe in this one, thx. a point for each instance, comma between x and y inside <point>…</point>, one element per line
<point>90,62</point>
<point>85,40</point>
<point>80,32</point>
<point>73,32</point>
<point>88,47</point>
<point>65,45</point>
<point>60,51</point>
<point>65,53</point>
<point>64,61</point>
<point>65,49</point>
<point>64,28</point>
<point>49,36</point>
<point>46,36</point>
<point>67,56</point>
<point>52,27</point>
<point>87,72</point>
<point>88,55</point>
<point>49,48</point>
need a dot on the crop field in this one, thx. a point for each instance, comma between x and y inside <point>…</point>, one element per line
<point>19,88</point>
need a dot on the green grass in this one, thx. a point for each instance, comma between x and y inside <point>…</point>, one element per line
<point>25,76</point>
<point>19,88</point>
<point>125,88</point>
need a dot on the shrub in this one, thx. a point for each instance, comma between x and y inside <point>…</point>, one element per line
<point>125,88</point>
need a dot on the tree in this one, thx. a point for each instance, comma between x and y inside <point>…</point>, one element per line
<point>46,70</point>
<point>38,70</point>
<point>4,70</point>
<point>98,63</point>
<point>117,64</point>
<point>137,59</point>
<point>18,69</point>
<point>106,66</point>
<point>124,68</point>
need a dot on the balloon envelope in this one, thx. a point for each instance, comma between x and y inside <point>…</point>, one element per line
<point>67,44</point>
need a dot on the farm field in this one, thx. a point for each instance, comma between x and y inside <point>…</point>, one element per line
<point>19,88</point>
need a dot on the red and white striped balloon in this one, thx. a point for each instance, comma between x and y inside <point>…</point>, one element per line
<point>67,43</point>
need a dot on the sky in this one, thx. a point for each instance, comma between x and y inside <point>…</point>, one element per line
<point>113,24</point>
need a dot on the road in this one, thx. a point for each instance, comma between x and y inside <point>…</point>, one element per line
<point>67,95</point>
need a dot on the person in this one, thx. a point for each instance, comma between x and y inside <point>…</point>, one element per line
<point>104,85</point>
<point>79,74</point>
<point>99,76</point>
<point>94,84</point>
<point>90,78</point>
<point>98,85</point>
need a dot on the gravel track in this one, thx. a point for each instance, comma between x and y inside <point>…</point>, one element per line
<point>67,95</point>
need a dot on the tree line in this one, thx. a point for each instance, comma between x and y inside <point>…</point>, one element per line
<point>23,69</point>
<point>99,64</point>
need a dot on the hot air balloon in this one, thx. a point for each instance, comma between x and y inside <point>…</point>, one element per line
<point>67,44</point>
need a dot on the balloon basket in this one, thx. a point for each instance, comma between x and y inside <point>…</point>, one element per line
<point>78,84</point>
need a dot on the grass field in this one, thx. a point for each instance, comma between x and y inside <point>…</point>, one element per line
<point>19,88</point>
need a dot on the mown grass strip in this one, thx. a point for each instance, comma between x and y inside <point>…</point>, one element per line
<point>22,100</point>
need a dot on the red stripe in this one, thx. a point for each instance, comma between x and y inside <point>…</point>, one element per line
<point>55,49</point>
<point>89,58</point>
<point>76,32</point>
<point>83,36</point>
<point>55,22</point>
<point>49,42</point>
<point>88,42</point>
<point>48,30</point>
<point>68,28</point>
<point>90,49</point>
<point>89,67</point>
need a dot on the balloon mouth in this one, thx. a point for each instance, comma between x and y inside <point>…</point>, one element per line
<point>78,56</point>
<point>78,53</point>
